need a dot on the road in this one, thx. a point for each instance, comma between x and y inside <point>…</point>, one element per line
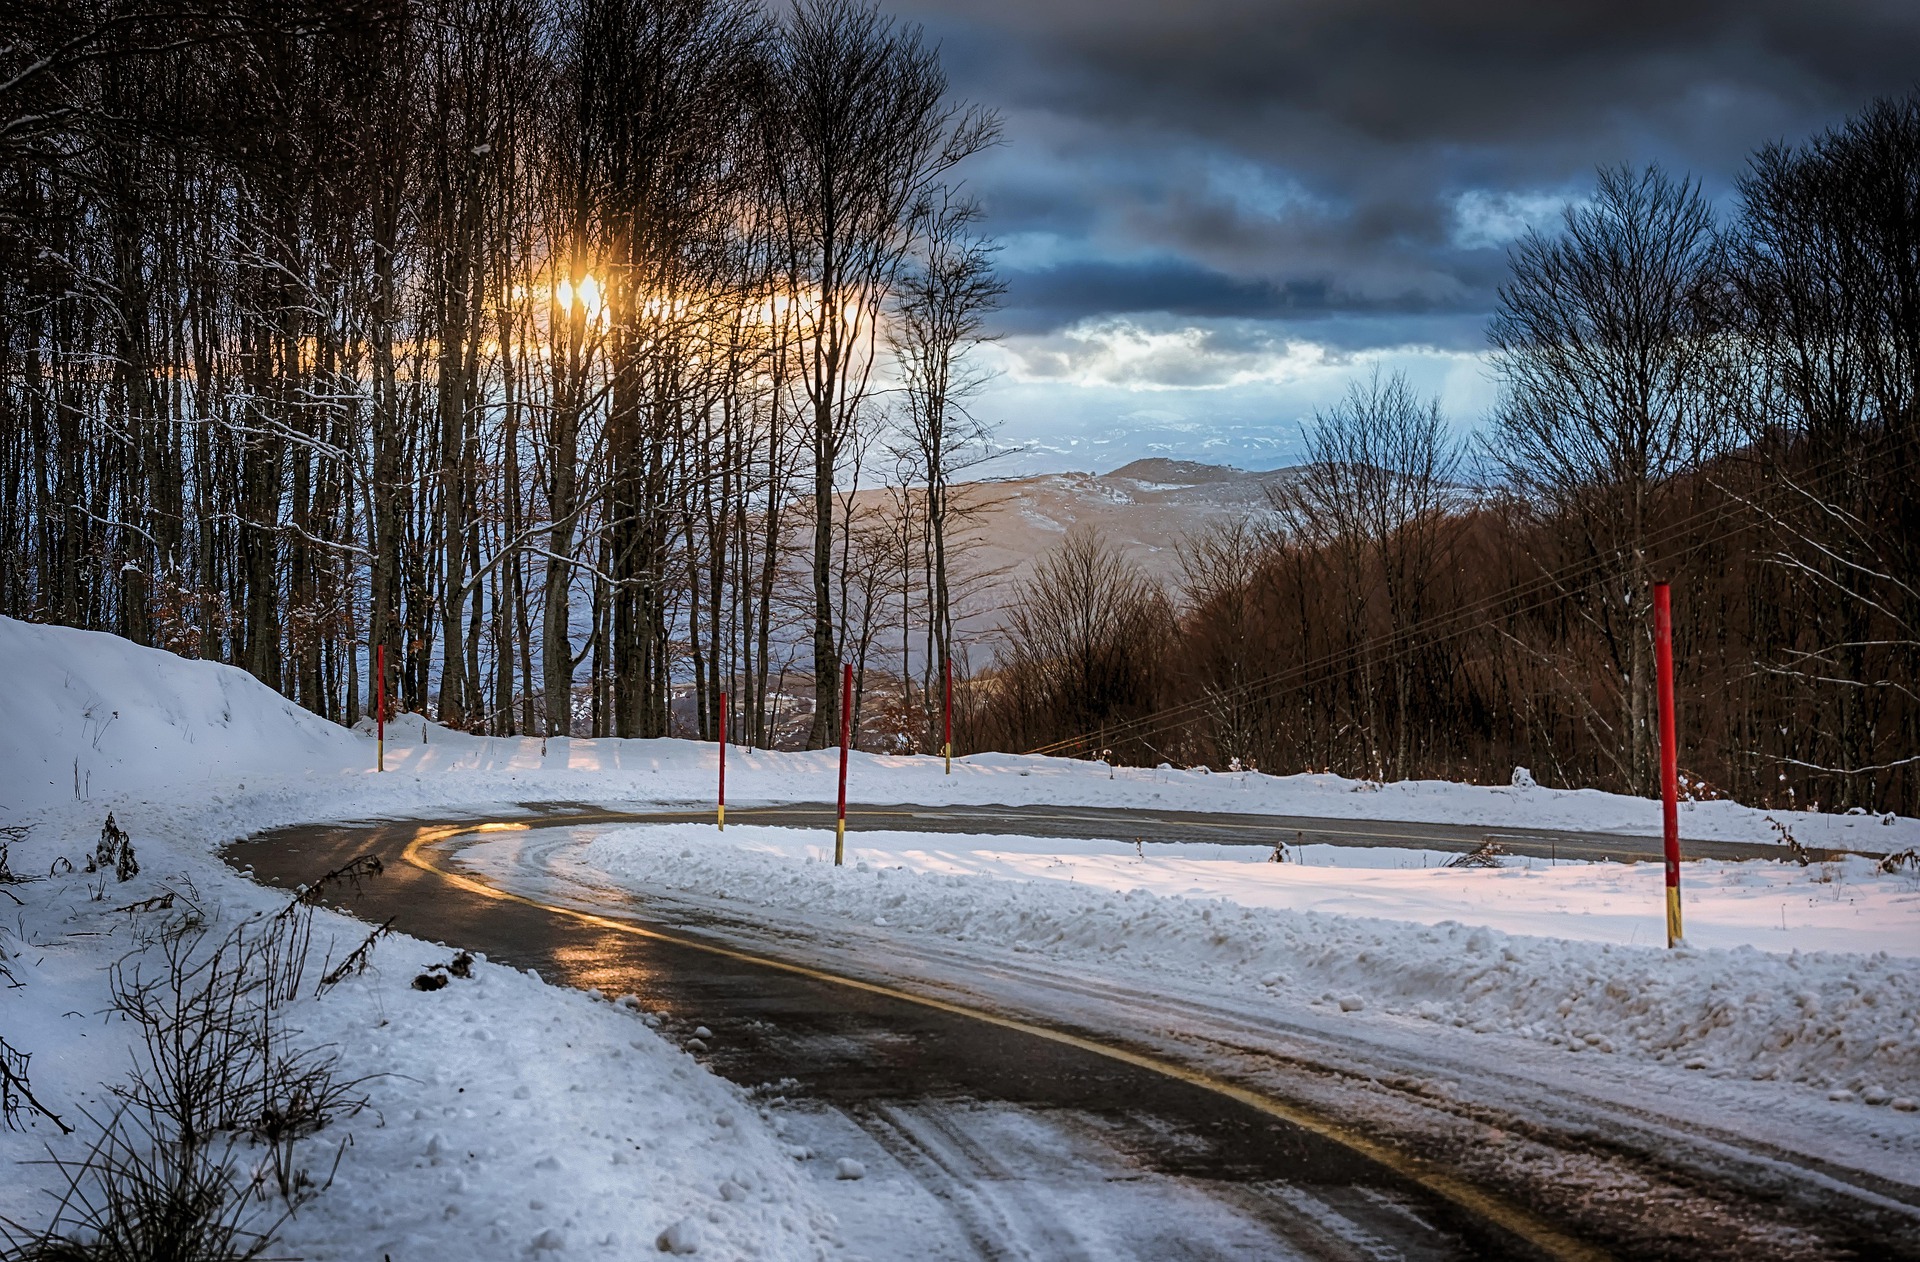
<point>1231,828</point>
<point>1047,1130</point>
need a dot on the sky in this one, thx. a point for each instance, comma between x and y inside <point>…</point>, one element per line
<point>1215,213</point>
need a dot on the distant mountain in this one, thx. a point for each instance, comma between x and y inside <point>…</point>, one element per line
<point>1142,508</point>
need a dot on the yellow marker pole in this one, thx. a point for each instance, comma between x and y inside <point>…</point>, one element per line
<point>947,749</point>
<point>723,762</point>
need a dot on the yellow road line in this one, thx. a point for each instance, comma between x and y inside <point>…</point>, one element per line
<point>1541,1235</point>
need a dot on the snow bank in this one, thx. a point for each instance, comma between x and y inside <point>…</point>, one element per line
<point>521,1119</point>
<point>501,1112</point>
<point>85,714</point>
<point>1823,1019</point>
<point>506,1118</point>
<point>1847,905</point>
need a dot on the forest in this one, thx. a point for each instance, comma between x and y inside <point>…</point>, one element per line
<point>542,352</point>
<point>1726,403</point>
<point>535,350</point>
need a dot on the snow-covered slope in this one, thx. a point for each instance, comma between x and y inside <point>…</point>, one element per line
<point>1142,509</point>
<point>87,713</point>
<point>93,723</point>
<point>478,1140</point>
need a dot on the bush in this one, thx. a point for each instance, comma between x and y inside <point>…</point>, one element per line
<point>201,1160</point>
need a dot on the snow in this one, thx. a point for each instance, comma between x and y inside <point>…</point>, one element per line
<point>508,1113</point>
<point>1847,905</point>
<point>511,1118</point>
<point>91,714</point>
<point>504,1117</point>
<point>1465,948</point>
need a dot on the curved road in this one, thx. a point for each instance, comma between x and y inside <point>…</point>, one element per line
<point>991,1135</point>
<point>1232,828</point>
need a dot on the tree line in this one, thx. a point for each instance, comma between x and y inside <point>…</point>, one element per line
<point>1728,403</point>
<point>542,346</point>
<point>547,347</point>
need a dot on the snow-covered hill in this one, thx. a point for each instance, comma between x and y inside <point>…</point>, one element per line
<point>1143,509</point>
<point>88,714</point>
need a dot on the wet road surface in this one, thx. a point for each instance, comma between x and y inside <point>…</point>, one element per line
<point>1231,828</point>
<point>980,1141</point>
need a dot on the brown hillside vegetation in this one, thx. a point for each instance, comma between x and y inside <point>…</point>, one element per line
<point>1737,413</point>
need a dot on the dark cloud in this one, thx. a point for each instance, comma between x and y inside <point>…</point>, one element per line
<point>1388,74</point>
<point>1048,297</point>
<point>1289,160</point>
<point>1045,298</point>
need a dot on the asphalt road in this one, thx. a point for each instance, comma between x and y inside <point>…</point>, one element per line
<point>988,1139</point>
<point>982,1141</point>
<point>1231,828</point>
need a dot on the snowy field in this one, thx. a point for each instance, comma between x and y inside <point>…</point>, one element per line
<point>454,1157</point>
<point>91,719</point>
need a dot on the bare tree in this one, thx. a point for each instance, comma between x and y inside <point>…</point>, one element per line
<point>1086,636</point>
<point>1827,273</point>
<point>859,130</point>
<point>1605,345</point>
<point>1219,570</point>
<point>946,296</point>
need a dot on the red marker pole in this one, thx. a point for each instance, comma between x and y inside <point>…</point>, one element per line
<point>948,727</point>
<point>846,740</point>
<point>723,762</point>
<point>1669,755</point>
<point>380,705</point>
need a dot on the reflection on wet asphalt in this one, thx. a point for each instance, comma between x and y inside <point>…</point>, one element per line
<point>977,1141</point>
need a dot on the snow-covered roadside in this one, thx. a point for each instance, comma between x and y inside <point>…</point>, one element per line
<point>89,719</point>
<point>1847,905</point>
<point>504,1117</point>
<point>190,755</point>
<point>1820,1020</point>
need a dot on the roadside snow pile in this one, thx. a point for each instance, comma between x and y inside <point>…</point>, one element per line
<point>499,1112</point>
<point>513,1117</point>
<point>1845,905</point>
<point>1830,1020</point>
<point>502,1117</point>
<point>85,713</point>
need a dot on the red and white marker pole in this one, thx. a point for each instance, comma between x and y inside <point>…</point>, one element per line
<point>380,705</point>
<point>948,727</point>
<point>846,739</point>
<point>723,762</point>
<point>1669,755</point>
